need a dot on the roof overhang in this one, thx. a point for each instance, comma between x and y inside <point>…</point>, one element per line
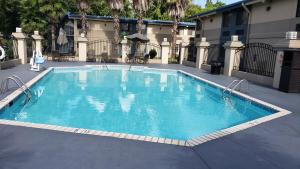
<point>226,8</point>
<point>131,20</point>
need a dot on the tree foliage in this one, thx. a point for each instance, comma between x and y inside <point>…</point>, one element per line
<point>38,14</point>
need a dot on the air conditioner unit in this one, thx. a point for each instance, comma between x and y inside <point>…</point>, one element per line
<point>292,35</point>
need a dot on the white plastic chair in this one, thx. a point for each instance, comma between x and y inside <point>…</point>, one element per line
<point>36,60</point>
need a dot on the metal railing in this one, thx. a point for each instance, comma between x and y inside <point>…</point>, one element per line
<point>234,85</point>
<point>103,51</point>
<point>18,81</point>
<point>256,58</point>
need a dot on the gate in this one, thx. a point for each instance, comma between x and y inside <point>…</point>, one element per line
<point>103,51</point>
<point>212,54</point>
<point>256,58</point>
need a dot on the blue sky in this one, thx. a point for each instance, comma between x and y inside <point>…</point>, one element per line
<point>202,2</point>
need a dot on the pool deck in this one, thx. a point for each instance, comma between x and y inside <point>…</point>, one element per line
<point>272,145</point>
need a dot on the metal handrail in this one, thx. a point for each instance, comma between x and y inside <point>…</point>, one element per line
<point>240,83</point>
<point>17,80</point>
<point>232,86</point>
<point>20,80</point>
<point>228,87</point>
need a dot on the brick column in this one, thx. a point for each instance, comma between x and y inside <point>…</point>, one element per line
<point>165,51</point>
<point>230,51</point>
<point>82,48</point>
<point>21,44</point>
<point>124,44</point>
<point>38,41</point>
<point>201,51</point>
<point>183,51</point>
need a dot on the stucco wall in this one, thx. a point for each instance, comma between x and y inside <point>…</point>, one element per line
<point>270,26</point>
<point>212,28</point>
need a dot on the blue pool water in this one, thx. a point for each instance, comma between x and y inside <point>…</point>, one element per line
<point>165,104</point>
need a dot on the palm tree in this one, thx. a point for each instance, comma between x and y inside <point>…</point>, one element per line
<point>140,7</point>
<point>54,10</point>
<point>176,10</point>
<point>83,6</point>
<point>116,7</point>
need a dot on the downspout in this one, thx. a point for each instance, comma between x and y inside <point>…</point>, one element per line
<point>202,26</point>
<point>250,16</point>
<point>249,21</point>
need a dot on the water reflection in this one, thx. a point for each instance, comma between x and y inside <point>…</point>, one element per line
<point>124,79</point>
<point>83,79</point>
<point>163,81</point>
<point>126,102</point>
<point>99,106</point>
<point>148,81</point>
<point>39,91</point>
<point>180,83</point>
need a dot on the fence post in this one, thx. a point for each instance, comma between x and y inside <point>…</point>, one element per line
<point>38,41</point>
<point>21,44</point>
<point>183,51</point>
<point>165,51</point>
<point>230,50</point>
<point>82,48</point>
<point>124,44</point>
<point>201,51</point>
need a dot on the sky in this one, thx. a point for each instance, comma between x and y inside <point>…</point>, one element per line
<point>202,2</point>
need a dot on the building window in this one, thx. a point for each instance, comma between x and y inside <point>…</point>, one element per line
<point>191,31</point>
<point>241,18</point>
<point>199,25</point>
<point>124,27</point>
<point>226,19</point>
<point>298,9</point>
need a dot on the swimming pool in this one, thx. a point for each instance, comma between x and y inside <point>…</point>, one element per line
<point>146,102</point>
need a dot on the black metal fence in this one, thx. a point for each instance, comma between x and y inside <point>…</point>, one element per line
<point>191,53</point>
<point>103,51</point>
<point>256,58</point>
<point>211,54</point>
<point>145,48</point>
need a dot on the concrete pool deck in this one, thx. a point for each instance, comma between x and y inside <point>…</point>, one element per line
<point>274,144</point>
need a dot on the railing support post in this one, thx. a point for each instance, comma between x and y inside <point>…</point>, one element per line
<point>165,51</point>
<point>124,44</point>
<point>202,50</point>
<point>38,41</point>
<point>230,51</point>
<point>21,44</point>
<point>82,48</point>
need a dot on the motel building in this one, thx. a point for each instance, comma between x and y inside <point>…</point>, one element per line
<point>262,36</point>
<point>100,34</point>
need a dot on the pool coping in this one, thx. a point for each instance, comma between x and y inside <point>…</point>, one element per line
<point>187,143</point>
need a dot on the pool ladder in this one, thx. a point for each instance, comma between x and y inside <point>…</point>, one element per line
<point>234,85</point>
<point>18,81</point>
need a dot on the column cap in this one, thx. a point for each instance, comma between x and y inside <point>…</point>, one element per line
<point>124,41</point>
<point>234,43</point>
<point>165,42</point>
<point>82,39</point>
<point>19,35</point>
<point>288,44</point>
